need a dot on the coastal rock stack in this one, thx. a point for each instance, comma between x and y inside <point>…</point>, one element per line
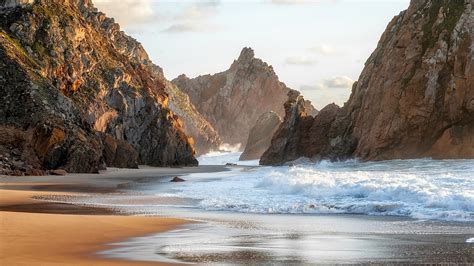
<point>260,136</point>
<point>414,98</point>
<point>233,100</point>
<point>70,80</point>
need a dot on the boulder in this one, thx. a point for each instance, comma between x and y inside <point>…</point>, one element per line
<point>59,172</point>
<point>177,179</point>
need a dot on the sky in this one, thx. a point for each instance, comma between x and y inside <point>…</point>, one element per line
<point>316,46</point>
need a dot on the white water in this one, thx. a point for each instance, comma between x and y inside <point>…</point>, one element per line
<point>422,189</point>
<point>224,157</point>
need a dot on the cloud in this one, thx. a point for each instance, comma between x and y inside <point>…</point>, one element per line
<point>301,61</point>
<point>332,90</point>
<point>190,27</point>
<point>128,12</point>
<point>324,49</point>
<point>181,27</point>
<point>194,18</point>
<point>338,82</point>
<point>198,11</point>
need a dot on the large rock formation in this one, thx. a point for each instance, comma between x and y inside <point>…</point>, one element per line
<point>260,136</point>
<point>414,98</point>
<point>233,100</point>
<point>205,137</point>
<point>70,78</point>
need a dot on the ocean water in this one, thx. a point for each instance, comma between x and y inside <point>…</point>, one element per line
<point>224,157</point>
<point>420,189</point>
<point>403,211</point>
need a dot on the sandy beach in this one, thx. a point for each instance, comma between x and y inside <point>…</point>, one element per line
<point>123,217</point>
<point>35,232</point>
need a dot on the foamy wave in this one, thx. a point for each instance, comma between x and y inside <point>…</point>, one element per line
<point>228,154</point>
<point>422,189</point>
<point>225,147</point>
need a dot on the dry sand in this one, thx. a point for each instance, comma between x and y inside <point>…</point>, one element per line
<point>47,239</point>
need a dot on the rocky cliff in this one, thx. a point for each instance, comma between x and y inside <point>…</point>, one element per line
<point>260,136</point>
<point>205,137</point>
<point>414,98</point>
<point>76,90</point>
<point>233,100</point>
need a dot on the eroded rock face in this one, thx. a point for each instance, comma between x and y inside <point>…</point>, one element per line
<point>69,76</point>
<point>205,137</point>
<point>233,100</point>
<point>260,136</point>
<point>119,153</point>
<point>414,98</point>
<point>14,3</point>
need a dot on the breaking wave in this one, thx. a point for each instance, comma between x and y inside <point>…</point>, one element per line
<point>423,189</point>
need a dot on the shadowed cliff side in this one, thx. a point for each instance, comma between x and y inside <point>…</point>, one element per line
<point>205,137</point>
<point>260,136</point>
<point>414,98</point>
<point>76,91</point>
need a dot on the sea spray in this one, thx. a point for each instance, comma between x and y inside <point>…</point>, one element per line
<point>425,189</point>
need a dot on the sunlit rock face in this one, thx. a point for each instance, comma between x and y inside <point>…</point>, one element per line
<point>70,78</point>
<point>414,98</point>
<point>233,100</point>
<point>14,3</point>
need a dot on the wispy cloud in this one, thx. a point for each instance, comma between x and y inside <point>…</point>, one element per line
<point>195,18</point>
<point>324,49</point>
<point>342,82</point>
<point>199,11</point>
<point>300,61</point>
<point>331,90</point>
<point>128,12</point>
<point>338,82</point>
<point>190,27</point>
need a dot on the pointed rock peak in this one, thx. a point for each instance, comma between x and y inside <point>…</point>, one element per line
<point>182,76</point>
<point>246,55</point>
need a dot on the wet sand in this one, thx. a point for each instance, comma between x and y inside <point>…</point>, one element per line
<point>35,232</point>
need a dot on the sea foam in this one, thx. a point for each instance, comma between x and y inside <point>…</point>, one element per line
<point>423,189</point>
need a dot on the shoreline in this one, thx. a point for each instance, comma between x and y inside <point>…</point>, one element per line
<point>33,231</point>
<point>44,219</point>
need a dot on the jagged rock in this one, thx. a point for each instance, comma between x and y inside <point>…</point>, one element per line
<point>414,98</point>
<point>177,179</point>
<point>59,172</point>
<point>260,136</point>
<point>204,135</point>
<point>69,76</point>
<point>14,3</point>
<point>233,100</point>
